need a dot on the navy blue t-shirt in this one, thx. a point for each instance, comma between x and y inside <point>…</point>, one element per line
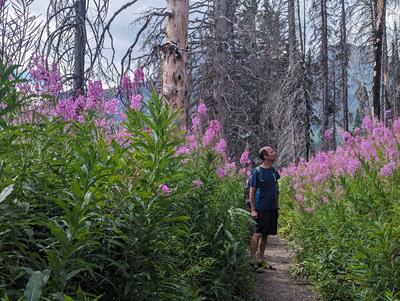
<point>265,179</point>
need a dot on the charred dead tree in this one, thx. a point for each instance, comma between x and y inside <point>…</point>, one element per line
<point>19,28</point>
<point>175,64</point>
<point>379,9</point>
<point>79,49</point>
<point>324,69</point>
<point>293,112</point>
<point>344,62</point>
<point>394,75</point>
<point>75,36</point>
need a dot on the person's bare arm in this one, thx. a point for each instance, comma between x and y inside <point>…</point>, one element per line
<point>252,202</point>
<point>277,195</point>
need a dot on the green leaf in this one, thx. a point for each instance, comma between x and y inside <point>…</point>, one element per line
<point>6,192</point>
<point>36,282</point>
<point>182,218</point>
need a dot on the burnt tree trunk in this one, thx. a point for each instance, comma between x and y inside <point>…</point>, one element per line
<point>385,75</point>
<point>292,37</point>
<point>302,46</point>
<point>175,64</point>
<point>222,34</point>
<point>344,67</point>
<point>395,76</point>
<point>79,47</point>
<point>379,13</point>
<point>334,106</point>
<point>294,83</point>
<point>324,67</point>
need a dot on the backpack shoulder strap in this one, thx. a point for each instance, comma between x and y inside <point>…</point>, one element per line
<point>257,169</point>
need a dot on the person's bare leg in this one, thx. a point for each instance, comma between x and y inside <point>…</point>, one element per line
<point>263,245</point>
<point>254,245</point>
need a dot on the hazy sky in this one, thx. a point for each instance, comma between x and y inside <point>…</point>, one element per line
<point>121,28</point>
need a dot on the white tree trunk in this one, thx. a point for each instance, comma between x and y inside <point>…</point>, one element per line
<point>175,64</point>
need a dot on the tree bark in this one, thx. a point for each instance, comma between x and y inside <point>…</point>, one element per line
<point>344,67</point>
<point>385,74</point>
<point>395,76</point>
<point>79,47</point>
<point>324,66</point>
<point>175,64</point>
<point>379,13</point>
<point>334,105</point>
<point>302,46</point>
<point>292,36</point>
<point>222,34</point>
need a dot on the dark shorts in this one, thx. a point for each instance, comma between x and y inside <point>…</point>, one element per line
<point>267,222</point>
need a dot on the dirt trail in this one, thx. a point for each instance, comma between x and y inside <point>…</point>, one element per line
<point>277,285</point>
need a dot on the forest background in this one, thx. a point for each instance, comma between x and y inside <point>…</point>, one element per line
<point>282,73</point>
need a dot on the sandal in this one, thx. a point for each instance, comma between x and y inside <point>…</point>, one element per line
<point>265,265</point>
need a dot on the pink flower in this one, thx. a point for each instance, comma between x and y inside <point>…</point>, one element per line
<point>214,124</point>
<point>220,172</point>
<point>208,137</point>
<point>230,166</point>
<point>309,209</point>
<point>202,109</point>
<point>111,106</point>
<point>81,119</point>
<point>197,183</point>
<point>244,158</point>
<point>328,135</point>
<point>221,146</point>
<point>165,189</point>
<point>94,94</point>
<point>182,150</point>
<point>196,121</point>
<point>126,84</point>
<point>123,116</point>
<point>191,140</point>
<point>347,138</point>
<point>299,198</point>
<point>396,126</point>
<point>139,76</point>
<point>325,200</point>
<point>46,81</point>
<point>66,109</point>
<point>367,124</point>
<point>122,136</point>
<point>136,102</point>
<point>387,170</point>
<point>212,131</point>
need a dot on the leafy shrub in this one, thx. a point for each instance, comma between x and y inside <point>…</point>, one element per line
<point>341,211</point>
<point>87,217</point>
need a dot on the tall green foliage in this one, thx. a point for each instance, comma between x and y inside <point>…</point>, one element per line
<point>350,247</point>
<point>84,219</point>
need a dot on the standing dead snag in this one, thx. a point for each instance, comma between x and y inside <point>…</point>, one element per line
<point>379,17</point>
<point>175,64</point>
<point>79,49</point>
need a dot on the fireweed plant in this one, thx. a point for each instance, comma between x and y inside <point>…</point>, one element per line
<point>342,212</point>
<point>103,201</point>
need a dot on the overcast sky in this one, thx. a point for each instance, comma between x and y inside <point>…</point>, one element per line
<point>121,28</point>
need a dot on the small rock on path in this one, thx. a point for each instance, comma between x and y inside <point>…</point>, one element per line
<point>277,285</point>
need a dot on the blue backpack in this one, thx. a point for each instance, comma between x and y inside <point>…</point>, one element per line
<point>247,190</point>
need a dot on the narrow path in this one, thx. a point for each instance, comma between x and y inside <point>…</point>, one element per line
<point>277,285</point>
